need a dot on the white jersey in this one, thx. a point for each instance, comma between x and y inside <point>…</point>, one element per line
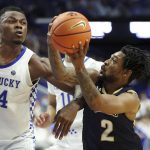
<point>73,141</point>
<point>17,98</point>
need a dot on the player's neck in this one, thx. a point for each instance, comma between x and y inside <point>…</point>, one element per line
<point>8,54</point>
<point>110,88</point>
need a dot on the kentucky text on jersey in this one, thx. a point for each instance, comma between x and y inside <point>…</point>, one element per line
<point>9,82</point>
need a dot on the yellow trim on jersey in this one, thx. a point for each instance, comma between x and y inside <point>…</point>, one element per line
<point>117,91</point>
<point>104,91</point>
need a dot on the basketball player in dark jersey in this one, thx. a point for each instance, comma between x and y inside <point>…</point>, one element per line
<point>109,115</point>
<point>111,105</point>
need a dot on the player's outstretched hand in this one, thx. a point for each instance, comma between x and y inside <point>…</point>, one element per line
<point>43,120</point>
<point>64,120</point>
<point>78,57</point>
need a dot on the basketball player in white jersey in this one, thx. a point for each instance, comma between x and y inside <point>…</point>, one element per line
<point>58,99</point>
<point>20,70</point>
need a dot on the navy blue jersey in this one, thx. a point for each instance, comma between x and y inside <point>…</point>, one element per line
<point>109,132</point>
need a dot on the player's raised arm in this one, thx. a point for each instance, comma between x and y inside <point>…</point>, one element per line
<point>60,72</point>
<point>63,38</point>
<point>40,68</point>
<point>115,74</point>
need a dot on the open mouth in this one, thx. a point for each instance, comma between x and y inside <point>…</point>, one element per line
<point>102,69</point>
<point>19,33</point>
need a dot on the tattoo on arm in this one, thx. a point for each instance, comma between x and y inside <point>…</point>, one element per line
<point>56,62</point>
<point>88,88</point>
<point>79,102</point>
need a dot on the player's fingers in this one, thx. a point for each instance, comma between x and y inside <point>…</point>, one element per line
<point>64,130</point>
<point>76,51</point>
<point>49,27</point>
<point>62,133</point>
<point>72,55</point>
<point>67,128</point>
<point>59,129</point>
<point>57,123</point>
<point>80,45</point>
<point>81,49</point>
<point>86,46</point>
<point>39,121</point>
<point>54,18</point>
<point>42,117</point>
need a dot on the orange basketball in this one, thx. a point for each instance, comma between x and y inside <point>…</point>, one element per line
<point>68,29</point>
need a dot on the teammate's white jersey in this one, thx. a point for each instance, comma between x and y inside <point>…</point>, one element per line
<point>73,141</point>
<point>17,98</point>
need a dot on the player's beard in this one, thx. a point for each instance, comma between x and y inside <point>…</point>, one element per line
<point>17,42</point>
<point>106,78</point>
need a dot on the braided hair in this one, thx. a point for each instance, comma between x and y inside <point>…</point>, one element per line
<point>136,60</point>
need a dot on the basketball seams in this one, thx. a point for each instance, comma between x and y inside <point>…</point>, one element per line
<point>68,50</point>
<point>69,30</point>
<point>72,33</point>
<point>60,44</point>
<point>68,20</point>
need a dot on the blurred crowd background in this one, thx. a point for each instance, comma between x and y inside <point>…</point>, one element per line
<point>120,14</point>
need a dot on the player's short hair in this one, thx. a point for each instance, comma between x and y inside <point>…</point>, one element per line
<point>10,8</point>
<point>136,60</point>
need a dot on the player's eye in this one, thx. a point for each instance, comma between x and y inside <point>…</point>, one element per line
<point>114,59</point>
<point>23,22</point>
<point>10,21</point>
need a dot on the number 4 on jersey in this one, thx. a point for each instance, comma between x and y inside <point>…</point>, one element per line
<point>3,100</point>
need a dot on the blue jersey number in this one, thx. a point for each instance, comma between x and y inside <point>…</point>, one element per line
<point>3,99</point>
<point>66,98</point>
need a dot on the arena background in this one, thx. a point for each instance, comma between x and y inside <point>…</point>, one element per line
<point>116,23</point>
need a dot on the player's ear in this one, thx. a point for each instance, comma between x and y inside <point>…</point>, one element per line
<point>127,73</point>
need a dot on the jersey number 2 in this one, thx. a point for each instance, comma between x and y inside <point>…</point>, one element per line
<point>108,125</point>
<point>3,100</point>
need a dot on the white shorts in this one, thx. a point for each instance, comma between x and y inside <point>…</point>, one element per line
<point>58,147</point>
<point>17,144</point>
<point>55,147</point>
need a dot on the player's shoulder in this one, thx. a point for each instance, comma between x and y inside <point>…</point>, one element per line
<point>132,97</point>
<point>40,67</point>
<point>38,59</point>
<point>27,50</point>
<point>131,92</point>
<point>135,96</point>
<point>35,59</point>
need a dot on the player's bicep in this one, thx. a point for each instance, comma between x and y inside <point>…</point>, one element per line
<point>39,68</point>
<point>128,102</point>
<point>124,103</point>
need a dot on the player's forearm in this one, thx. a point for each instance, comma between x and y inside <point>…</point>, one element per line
<point>79,103</point>
<point>61,73</point>
<point>56,62</point>
<point>88,88</point>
